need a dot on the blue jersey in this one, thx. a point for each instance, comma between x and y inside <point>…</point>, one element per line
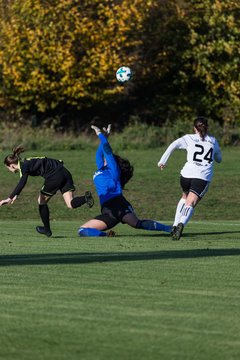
<point>107,177</point>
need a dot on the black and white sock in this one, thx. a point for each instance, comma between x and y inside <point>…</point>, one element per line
<point>180,207</point>
<point>187,213</point>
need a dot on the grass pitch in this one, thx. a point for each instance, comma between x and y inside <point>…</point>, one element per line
<point>139,295</point>
<point>136,296</point>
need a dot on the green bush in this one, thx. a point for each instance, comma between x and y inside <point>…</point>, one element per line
<point>134,136</point>
<point>41,138</point>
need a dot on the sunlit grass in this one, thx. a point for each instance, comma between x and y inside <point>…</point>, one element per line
<point>139,295</point>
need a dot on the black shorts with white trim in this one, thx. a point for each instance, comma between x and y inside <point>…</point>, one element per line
<point>197,186</point>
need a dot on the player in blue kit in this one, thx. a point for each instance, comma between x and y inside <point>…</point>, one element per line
<point>56,177</point>
<point>111,176</point>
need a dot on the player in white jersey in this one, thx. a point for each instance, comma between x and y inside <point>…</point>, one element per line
<point>202,149</point>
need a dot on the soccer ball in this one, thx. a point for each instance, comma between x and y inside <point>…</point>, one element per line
<point>123,74</point>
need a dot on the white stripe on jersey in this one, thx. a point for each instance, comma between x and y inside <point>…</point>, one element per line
<point>200,155</point>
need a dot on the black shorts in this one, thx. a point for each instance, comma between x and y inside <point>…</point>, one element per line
<point>114,210</point>
<point>197,186</point>
<point>61,180</point>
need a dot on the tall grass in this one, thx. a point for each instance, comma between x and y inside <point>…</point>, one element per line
<point>134,136</point>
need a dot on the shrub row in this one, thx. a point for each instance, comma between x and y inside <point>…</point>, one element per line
<point>135,136</point>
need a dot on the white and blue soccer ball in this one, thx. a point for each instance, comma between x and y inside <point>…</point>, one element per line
<point>123,74</point>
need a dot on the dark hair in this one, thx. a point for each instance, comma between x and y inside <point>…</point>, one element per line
<point>201,124</point>
<point>14,157</point>
<point>126,170</point>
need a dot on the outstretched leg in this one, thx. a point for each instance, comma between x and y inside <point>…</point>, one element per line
<point>132,220</point>
<point>95,227</point>
<point>153,225</point>
<point>94,232</point>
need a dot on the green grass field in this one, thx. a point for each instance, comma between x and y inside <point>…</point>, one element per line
<point>139,295</point>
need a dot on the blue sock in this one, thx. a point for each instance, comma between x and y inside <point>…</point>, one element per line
<point>153,225</point>
<point>90,232</point>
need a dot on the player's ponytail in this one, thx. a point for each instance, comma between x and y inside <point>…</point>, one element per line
<point>14,157</point>
<point>201,124</point>
<point>126,170</point>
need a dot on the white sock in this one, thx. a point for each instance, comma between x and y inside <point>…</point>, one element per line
<point>186,214</point>
<point>180,207</point>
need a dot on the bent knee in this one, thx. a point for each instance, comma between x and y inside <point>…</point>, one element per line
<point>43,199</point>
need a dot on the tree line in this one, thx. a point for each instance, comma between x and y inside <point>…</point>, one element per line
<point>58,60</point>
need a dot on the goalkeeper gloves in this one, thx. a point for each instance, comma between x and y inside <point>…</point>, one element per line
<point>96,129</point>
<point>106,130</point>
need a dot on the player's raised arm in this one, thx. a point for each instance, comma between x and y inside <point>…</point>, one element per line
<point>107,150</point>
<point>107,130</point>
<point>100,152</point>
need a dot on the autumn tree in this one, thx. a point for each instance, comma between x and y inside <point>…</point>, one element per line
<point>184,54</point>
<point>191,60</point>
<point>213,55</point>
<point>66,50</point>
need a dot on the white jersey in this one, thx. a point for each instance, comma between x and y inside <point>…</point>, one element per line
<point>200,155</point>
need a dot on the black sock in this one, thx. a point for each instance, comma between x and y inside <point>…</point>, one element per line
<point>78,201</point>
<point>44,214</point>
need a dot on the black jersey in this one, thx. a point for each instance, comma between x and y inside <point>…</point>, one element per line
<point>40,166</point>
<point>37,166</point>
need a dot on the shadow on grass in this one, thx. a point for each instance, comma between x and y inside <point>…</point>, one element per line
<point>211,233</point>
<point>185,235</point>
<point>86,258</point>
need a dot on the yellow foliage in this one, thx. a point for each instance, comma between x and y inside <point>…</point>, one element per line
<point>67,50</point>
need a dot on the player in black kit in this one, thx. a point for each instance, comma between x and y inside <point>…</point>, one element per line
<point>56,177</point>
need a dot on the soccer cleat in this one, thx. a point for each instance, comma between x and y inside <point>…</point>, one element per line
<point>178,232</point>
<point>111,233</point>
<point>173,230</point>
<point>41,230</point>
<point>89,199</point>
